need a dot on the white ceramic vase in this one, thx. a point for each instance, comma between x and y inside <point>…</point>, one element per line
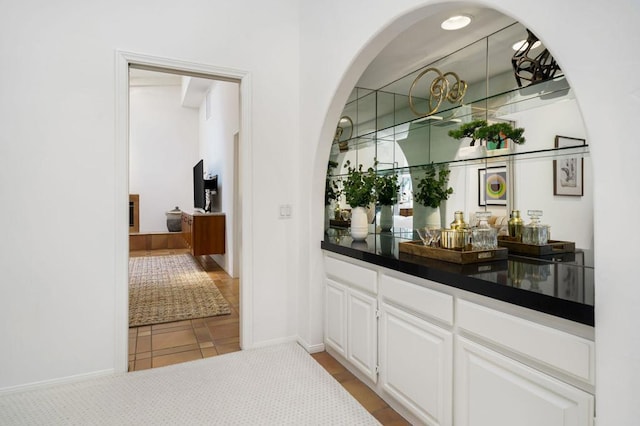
<point>386,218</point>
<point>433,217</point>
<point>359,224</point>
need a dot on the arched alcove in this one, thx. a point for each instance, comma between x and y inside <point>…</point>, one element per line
<point>589,54</point>
<point>343,90</point>
<point>379,118</point>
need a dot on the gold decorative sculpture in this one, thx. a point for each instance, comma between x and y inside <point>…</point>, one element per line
<point>439,90</point>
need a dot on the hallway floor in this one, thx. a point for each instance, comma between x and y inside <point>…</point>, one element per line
<point>175,342</point>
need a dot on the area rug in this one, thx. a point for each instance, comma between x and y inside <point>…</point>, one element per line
<point>171,288</point>
<point>276,385</point>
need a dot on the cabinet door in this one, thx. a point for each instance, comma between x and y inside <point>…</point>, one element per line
<point>207,234</point>
<point>416,365</point>
<point>492,389</point>
<point>362,332</point>
<point>336,316</point>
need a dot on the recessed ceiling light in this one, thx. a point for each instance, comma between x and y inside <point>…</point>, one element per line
<point>456,22</point>
<point>523,44</point>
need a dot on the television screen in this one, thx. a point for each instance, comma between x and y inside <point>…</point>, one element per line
<point>199,200</point>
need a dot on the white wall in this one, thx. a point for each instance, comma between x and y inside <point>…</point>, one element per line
<point>216,148</point>
<point>163,148</point>
<point>59,275</point>
<point>334,52</point>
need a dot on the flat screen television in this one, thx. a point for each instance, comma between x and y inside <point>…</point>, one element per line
<point>199,198</point>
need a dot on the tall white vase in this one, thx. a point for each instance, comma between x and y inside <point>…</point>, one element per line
<point>386,218</point>
<point>359,224</point>
<point>433,217</point>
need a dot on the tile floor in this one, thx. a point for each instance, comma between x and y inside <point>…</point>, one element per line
<point>361,392</point>
<point>171,343</point>
<point>174,342</point>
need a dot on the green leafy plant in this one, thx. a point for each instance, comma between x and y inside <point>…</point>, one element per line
<point>331,189</point>
<point>359,186</point>
<point>468,130</point>
<point>432,188</point>
<point>387,187</point>
<point>496,134</point>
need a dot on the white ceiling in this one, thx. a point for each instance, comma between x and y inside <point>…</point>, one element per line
<point>425,42</point>
<point>194,89</point>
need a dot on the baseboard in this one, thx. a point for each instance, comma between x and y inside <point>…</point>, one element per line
<point>312,349</point>
<point>55,382</point>
<point>273,342</point>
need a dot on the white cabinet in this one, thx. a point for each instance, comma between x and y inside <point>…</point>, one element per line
<point>494,390</point>
<point>335,330</point>
<point>362,332</point>
<point>563,352</point>
<point>351,322</point>
<point>416,365</point>
<point>450,358</point>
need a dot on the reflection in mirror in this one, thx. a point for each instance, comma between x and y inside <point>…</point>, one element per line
<point>385,128</point>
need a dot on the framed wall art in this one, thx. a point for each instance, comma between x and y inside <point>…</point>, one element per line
<point>568,172</point>
<point>492,186</point>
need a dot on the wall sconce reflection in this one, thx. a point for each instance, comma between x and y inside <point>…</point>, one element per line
<point>343,142</point>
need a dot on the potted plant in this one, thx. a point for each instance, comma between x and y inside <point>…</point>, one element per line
<point>432,190</point>
<point>497,134</point>
<point>359,191</point>
<point>386,187</point>
<point>494,135</point>
<point>468,130</point>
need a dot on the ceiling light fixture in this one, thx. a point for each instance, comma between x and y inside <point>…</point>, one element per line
<point>456,22</point>
<point>522,44</point>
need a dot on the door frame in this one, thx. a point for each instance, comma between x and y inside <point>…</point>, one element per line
<point>121,204</point>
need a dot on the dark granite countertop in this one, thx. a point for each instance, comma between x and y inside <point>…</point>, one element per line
<point>560,285</point>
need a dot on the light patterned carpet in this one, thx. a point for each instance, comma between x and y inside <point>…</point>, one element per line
<point>171,288</point>
<point>277,385</point>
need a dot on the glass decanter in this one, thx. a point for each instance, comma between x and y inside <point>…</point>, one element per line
<point>535,233</point>
<point>484,236</point>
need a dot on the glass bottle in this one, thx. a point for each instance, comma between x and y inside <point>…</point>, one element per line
<point>535,233</point>
<point>483,236</point>
<point>458,222</point>
<point>515,225</point>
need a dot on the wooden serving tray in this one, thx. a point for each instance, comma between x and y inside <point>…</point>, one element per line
<point>455,256</point>
<point>552,247</point>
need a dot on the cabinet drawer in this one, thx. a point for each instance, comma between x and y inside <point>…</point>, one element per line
<point>421,300</point>
<point>565,352</point>
<point>353,275</point>
<point>493,389</point>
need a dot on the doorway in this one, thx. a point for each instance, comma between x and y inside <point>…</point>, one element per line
<point>188,70</point>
